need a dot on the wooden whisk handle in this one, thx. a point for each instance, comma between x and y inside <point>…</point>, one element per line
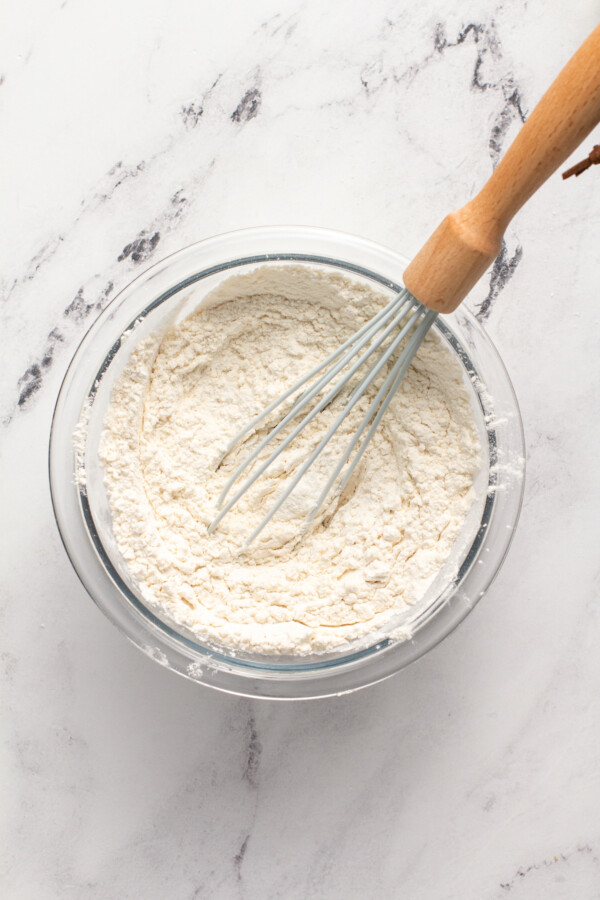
<point>469,239</point>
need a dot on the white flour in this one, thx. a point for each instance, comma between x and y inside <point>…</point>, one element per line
<point>376,548</point>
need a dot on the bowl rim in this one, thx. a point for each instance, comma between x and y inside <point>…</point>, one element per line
<point>226,673</point>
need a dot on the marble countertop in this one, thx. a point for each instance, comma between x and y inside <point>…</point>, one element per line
<point>131,129</point>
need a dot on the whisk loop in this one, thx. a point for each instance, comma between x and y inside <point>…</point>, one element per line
<point>403,319</point>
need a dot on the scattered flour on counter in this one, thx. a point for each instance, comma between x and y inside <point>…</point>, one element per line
<point>372,550</point>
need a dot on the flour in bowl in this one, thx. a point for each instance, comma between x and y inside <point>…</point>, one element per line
<point>371,552</point>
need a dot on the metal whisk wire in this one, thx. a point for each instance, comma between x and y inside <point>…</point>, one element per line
<point>404,315</point>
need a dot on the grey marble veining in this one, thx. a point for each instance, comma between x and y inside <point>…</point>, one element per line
<point>131,130</point>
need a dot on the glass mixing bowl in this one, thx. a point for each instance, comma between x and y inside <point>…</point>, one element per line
<point>175,286</point>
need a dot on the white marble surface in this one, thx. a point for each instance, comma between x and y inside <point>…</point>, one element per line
<point>130,129</point>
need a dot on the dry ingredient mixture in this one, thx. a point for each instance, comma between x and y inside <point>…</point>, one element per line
<point>371,551</point>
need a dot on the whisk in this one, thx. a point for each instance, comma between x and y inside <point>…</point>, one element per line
<point>443,272</point>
